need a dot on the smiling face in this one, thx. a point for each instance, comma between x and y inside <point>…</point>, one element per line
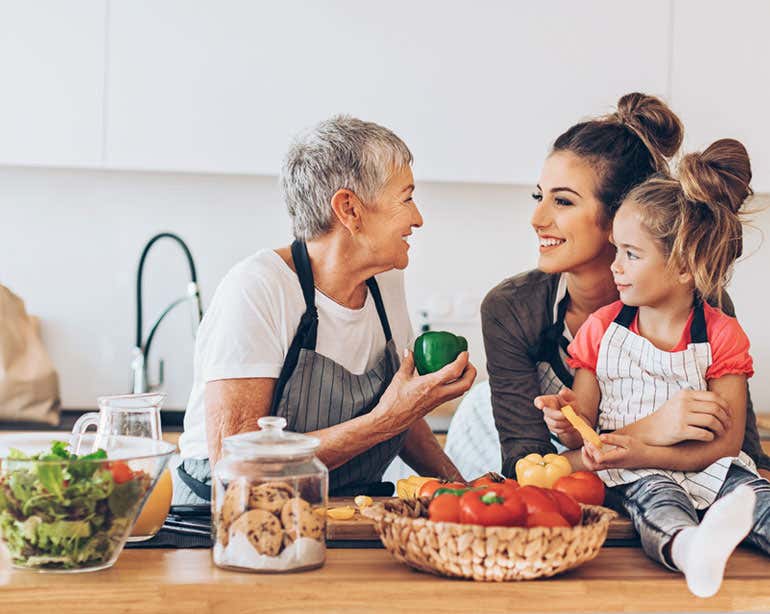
<point>387,223</point>
<point>640,267</point>
<point>568,217</point>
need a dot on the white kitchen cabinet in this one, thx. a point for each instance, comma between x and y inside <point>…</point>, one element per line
<point>721,76</point>
<point>478,90</point>
<point>52,75</point>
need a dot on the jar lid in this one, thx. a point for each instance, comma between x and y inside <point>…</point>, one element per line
<point>271,441</point>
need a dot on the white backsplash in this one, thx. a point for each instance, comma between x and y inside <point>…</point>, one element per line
<point>70,243</point>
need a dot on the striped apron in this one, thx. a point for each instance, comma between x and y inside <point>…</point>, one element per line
<point>636,378</point>
<point>314,392</point>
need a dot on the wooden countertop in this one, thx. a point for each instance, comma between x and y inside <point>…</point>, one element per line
<point>368,581</point>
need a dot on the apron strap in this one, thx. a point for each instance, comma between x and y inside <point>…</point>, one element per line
<point>200,489</point>
<point>375,290</point>
<point>547,347</point>
<point>698,332</point>
<point>626,316</point>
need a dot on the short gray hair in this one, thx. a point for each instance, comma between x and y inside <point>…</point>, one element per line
<point>340,153</point>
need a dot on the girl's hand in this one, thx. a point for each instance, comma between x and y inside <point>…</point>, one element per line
<point>410,396</point>
<point>619,452</point>
<point>698,415</point>
<point>550,405</point>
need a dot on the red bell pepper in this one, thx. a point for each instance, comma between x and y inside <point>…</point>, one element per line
<point>493,507</point>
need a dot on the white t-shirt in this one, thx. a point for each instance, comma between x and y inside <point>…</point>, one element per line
<point>252,321</point>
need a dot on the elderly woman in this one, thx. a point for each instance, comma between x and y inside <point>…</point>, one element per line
<point>315,331</point>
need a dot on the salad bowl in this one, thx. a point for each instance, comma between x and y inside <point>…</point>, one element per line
<point>69,513</point>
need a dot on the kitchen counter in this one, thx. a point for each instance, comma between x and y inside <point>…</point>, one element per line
<point>367,581</point>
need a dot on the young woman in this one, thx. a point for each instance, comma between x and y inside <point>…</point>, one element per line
<point>676,244</point>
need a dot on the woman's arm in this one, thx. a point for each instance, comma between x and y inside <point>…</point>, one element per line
<point>235,405</point>
<point>513,377</point>
<point>423,453</point>
<point>632,453</point>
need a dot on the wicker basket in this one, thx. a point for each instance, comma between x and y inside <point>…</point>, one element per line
<point>493,554</point>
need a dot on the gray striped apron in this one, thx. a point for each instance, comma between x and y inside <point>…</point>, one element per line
<point>314,392</point>
<point>636,378</point>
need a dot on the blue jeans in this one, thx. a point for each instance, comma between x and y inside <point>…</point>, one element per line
<point>659,508</point>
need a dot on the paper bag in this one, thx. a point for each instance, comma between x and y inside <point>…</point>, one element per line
<point>29,385</point>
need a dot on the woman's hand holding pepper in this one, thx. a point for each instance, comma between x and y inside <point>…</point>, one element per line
<point>410,396</point>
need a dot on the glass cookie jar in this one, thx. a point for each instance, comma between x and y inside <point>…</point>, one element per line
<point>269,497</point>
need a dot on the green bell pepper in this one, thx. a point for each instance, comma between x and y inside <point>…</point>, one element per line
<point>436,349</point>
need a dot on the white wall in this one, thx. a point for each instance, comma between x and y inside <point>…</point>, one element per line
<point>70,242</point>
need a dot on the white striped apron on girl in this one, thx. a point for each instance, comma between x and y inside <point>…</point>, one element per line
<point>636,378</point>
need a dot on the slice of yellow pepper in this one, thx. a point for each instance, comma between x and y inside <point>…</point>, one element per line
<point>346,512</point>
<point>543,471</point>
<point>581,426</point>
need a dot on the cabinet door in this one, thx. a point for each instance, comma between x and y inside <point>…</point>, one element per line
<point>477,90</point>
<point>721,76</point>
<point>52,74</point>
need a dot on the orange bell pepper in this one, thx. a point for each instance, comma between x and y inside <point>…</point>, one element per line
<point>543,471</point>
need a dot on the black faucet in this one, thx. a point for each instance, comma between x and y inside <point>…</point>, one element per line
<point>139,379</point>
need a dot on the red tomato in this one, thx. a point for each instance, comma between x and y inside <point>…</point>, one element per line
<point>430,487</point>
<point>121,472</point>
<point>546,519</point>
<point>583,486</point>
<point>568,507</point>
<point>537,500</point>
<point>493,479</point>
<point>445,508</point>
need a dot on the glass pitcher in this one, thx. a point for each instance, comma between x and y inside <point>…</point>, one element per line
<point>136,415</point>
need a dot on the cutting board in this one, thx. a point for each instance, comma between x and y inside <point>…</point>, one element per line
<point>361,528</point>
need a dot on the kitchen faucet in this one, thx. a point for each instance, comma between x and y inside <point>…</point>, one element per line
<point>139,379</point>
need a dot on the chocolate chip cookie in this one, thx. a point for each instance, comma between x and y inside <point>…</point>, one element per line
<point>300,520</point>
<point>262,529</point>
<point>270,496</point>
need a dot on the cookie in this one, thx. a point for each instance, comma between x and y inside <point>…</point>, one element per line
<point>300,520</point>
<point>234,503</point>
<point>270,497</point>
<point>262,529</point>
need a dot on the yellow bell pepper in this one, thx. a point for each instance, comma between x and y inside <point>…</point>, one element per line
<point>407,488</point>
<point>543,471</point>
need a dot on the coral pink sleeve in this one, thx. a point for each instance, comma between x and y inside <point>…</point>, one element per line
<point>729,347</point>
<point>584,349</point>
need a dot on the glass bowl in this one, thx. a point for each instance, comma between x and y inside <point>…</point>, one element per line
<point>69,514</point>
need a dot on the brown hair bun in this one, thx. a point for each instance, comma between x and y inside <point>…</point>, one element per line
<point>654,123</point>
<point>720,175</point>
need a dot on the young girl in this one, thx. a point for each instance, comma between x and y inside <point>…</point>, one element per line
<point>676,243</point>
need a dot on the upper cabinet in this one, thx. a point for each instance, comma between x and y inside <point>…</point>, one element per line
<point>478,91</point>
<point>52,71</point>
<point>721,76</point>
